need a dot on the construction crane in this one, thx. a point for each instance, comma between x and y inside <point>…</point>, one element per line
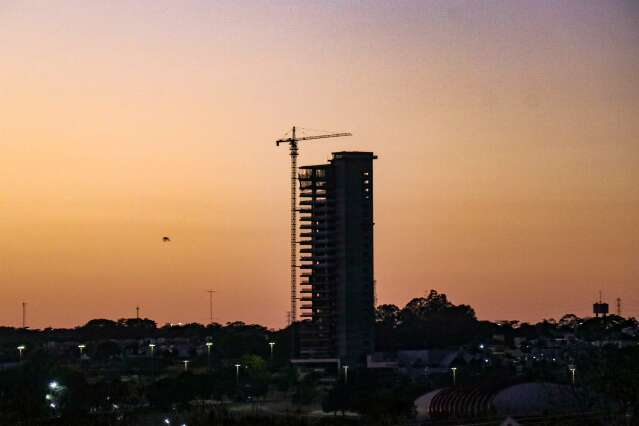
<point>294,152</point>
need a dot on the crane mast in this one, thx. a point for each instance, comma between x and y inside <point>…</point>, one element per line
<point>294,152</point>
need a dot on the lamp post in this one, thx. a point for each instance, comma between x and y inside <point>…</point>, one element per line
<point>454,370</point>
<point>572,369</point>
<point>345,367</point>
<point>237,375</point>
<point>208,353</point>
<point>21,348</point>
<point>152,347</point>
<point>271,344</point>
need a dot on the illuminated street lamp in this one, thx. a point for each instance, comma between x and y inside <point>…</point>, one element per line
<point>454,370</point>
<point>208,353</point>
<point>572,369</point>
<point>237,374</point>
<point>20,349</point>
<point>152,347</point>
<point>271,344</point>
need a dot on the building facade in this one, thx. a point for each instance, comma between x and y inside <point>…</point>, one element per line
<point>336,249</point>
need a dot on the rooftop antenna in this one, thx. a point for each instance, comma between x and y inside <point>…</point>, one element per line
<point>294,152</point>
<point>210,292</point>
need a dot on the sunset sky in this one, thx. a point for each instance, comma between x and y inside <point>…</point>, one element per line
<point>507,135</point>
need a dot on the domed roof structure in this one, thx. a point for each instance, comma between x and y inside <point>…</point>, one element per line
<point>496,399</point>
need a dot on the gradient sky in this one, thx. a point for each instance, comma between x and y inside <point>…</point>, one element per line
<point>507,135</point>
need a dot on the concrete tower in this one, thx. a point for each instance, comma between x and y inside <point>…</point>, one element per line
<point>336,248</point>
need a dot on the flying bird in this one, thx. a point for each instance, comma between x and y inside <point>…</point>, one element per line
<point>166,239</point>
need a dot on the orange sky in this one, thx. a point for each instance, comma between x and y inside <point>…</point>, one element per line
<point>507,135</point>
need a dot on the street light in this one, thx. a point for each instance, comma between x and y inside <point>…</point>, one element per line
<point>454,370</point>
<point>152,347</point>
<point>20,349</point>
<point>345,367</point>
<point>237,374</point>
<point>271,344</point>
<point>572,369</point>
<point>208,353</point>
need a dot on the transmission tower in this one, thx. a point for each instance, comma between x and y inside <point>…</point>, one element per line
<point>210,292</point>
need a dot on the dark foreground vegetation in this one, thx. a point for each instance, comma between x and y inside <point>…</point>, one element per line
<point>132,372</point>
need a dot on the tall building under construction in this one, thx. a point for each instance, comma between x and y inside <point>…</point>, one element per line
<point>336,249</point>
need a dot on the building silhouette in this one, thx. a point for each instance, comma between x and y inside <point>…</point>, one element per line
<point>336,249</point>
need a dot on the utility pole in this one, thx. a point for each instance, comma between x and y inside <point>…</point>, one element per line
<point>210,292</point>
